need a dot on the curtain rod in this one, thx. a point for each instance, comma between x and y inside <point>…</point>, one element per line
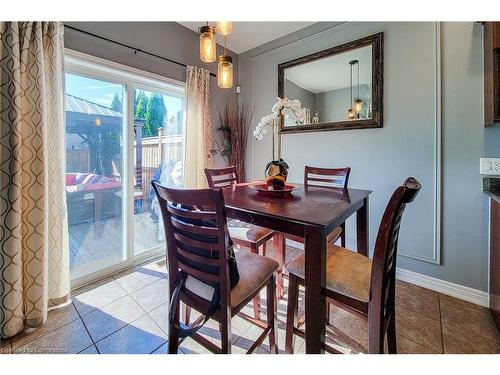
<point>130,47</point>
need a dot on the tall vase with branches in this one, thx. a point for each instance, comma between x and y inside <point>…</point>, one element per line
<point>234,118</point>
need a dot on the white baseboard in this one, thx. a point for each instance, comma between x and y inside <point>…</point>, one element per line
<point>464,293</point>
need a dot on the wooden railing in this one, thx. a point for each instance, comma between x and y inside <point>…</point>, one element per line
<point>154,152</point>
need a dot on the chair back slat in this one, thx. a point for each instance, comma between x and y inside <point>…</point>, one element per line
<point>196,243</point>
<point>197,236</point>
<point>195,229</point>
<point>195,258</point>
<point>193,213</point>
<point>383,276</point>
<point>326,177</point>
<point>197,274</point>
<point>221,177</point>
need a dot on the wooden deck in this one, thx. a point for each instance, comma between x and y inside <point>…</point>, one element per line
<point>89,242</point>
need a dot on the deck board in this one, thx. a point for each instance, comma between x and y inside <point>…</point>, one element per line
<point>92,241</point>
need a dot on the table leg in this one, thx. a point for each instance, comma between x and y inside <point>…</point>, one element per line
<point>280,252</point>
<point>315,277</point>
<point>362,228</point>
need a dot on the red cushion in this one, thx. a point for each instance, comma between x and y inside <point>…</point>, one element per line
<point>70,179</point>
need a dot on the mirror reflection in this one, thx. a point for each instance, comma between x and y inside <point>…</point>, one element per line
<point>332,89</point>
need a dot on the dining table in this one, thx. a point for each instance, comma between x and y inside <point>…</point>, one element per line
<point>311,212</point>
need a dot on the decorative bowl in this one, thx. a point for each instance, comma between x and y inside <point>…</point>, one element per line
<point>265,189</point>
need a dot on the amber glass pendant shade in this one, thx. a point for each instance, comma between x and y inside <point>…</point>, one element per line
<point>224,27</point>
<point>208,46</point>
<point>225,72</point>
<point>358,105</point>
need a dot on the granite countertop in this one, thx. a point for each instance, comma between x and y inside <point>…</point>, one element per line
<point>491,187</point>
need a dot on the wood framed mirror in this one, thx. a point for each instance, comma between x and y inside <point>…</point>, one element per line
<point>341,87</point>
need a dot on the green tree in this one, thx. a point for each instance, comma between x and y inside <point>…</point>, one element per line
<point>116,104</point>
<point>141,103</point>
<point>155,113</point>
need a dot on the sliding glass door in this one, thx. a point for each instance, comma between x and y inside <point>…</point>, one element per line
<point>124,128</point>
<point>94,172</point>
<point>158,155</point>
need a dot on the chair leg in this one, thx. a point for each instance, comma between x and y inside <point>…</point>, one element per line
<point>391,336</point>
<point>328,311</point>
<point>291,312</point>
<point>280,251</point>
<point>342,235</point>
<point>271,317</point>
<point>256,307</point>
<point>225,332</point>
<point>186,313</point>
<point>263,249</point>
<point>256,300</point>
<point>173,336</point>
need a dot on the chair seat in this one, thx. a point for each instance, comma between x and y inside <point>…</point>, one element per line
<point>347,272</point>
<point>240,231</point>
<point>331,238</point>
<point>254,272</point>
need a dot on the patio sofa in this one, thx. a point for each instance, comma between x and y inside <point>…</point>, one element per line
<point>92,197</point>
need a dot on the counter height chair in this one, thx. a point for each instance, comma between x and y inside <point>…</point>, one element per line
<point>247,235</point>
<point>201,269</point>
<point>327,177</point>
<point>358,284</point>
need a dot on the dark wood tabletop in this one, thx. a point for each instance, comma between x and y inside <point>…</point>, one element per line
<point>311,213</point>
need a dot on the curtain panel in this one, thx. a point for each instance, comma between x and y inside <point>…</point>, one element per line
<point>34,255</point>
<point>198,127</point>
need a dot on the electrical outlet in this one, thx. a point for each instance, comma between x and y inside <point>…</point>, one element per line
<point>489,166</point>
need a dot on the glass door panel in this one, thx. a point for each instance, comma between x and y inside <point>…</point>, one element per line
<point>158,155</point>
<point>94,173</point>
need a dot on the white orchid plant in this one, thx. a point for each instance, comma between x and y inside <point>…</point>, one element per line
<point>270,121</point>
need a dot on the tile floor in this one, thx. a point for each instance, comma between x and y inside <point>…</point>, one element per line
<point>127,313</point>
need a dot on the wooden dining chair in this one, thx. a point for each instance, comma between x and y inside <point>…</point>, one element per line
<point>358,284</point>
<point>198,256</point>
<point>248,235</point>
<point>328,177</point>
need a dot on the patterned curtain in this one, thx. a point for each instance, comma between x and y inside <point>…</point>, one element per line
<point>198,127</point>
<point>34,255</point>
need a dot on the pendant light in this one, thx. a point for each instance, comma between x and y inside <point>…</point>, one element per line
<point>224,27</point>
<point>225,70</point>
<point>208,46</point>
<point>358,104</point>
<point>350,111</point>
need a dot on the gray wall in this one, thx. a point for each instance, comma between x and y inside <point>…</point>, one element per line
<point>382,158</point>
<point>492,141</point>
<point>168,39</point>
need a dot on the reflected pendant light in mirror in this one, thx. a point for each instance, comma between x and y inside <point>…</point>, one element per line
<point>358,104</point>
<point>208,46</point>
<point>351,115</point>
<point>224,27</point>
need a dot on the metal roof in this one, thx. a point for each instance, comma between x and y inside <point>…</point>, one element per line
<point>79,105</point>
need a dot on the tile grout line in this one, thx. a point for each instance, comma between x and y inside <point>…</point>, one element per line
<point>38,337</point>
<point>413,340</point>
<point>463,330</point>
<point>441,324</point>
<point>128,324</point>
<point>88,333</point>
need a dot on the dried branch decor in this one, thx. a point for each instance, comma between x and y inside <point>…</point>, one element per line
<point>234,118</point>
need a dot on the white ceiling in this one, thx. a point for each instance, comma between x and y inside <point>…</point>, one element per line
<point>248,35</point>
<point>332,73</point>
